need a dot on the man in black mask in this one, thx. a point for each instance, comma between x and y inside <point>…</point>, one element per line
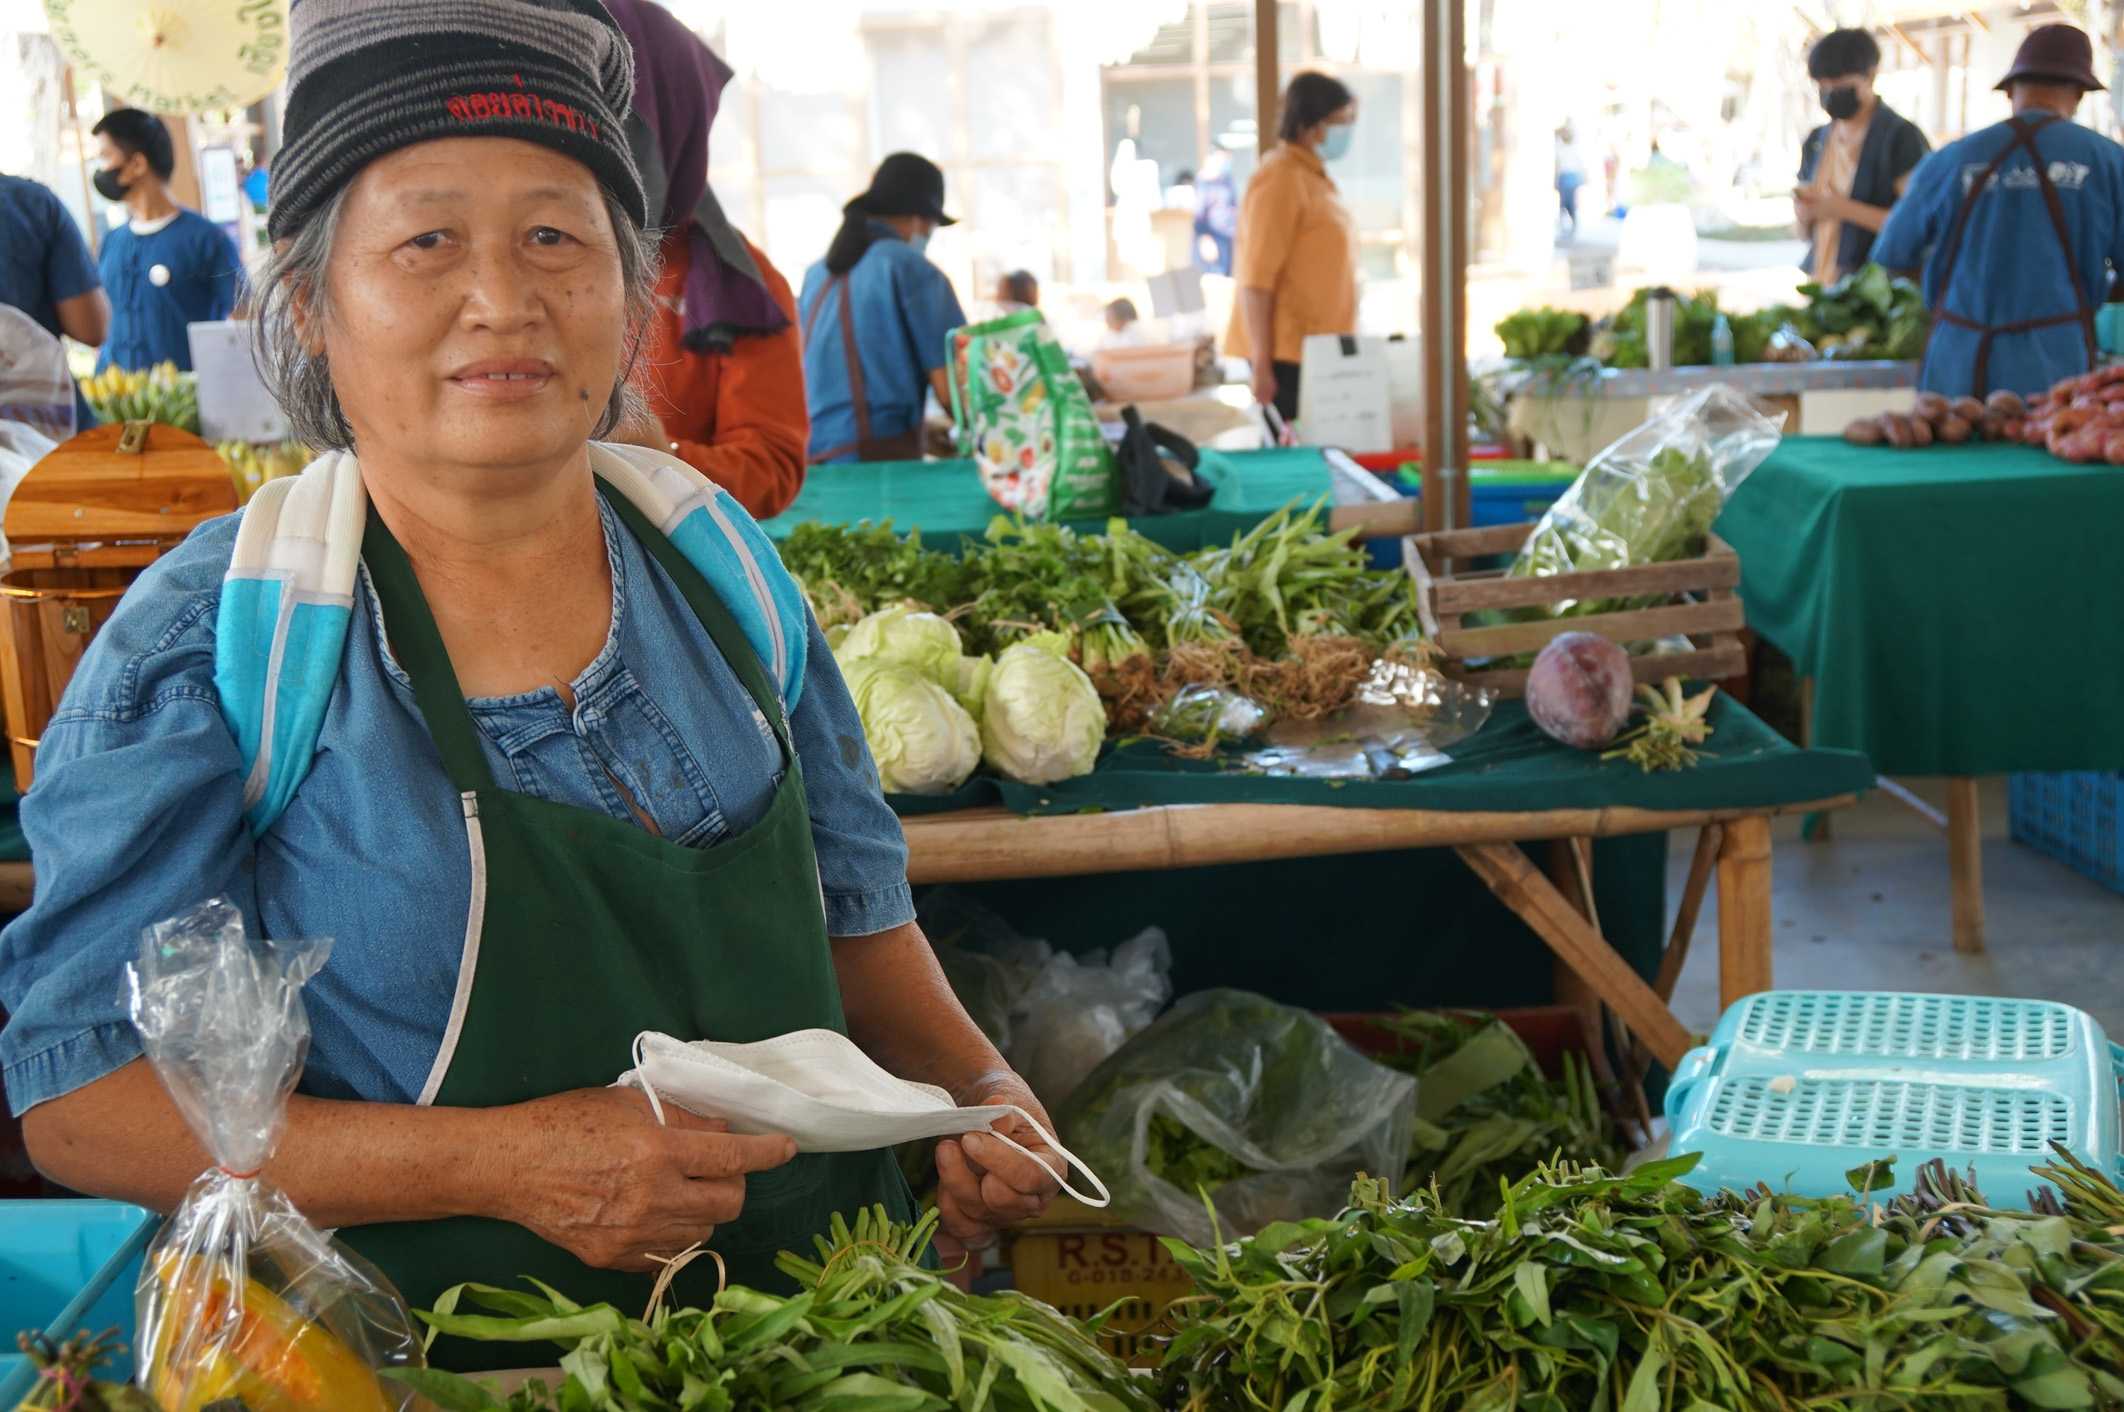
<point>1853,167</point>
<point>166,267</point>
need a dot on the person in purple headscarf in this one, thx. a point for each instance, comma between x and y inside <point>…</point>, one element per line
<point>723,368</point>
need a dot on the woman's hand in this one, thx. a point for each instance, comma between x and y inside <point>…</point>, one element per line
<point>592,1172</point>
<point>1263,382</point>
<point>984,1185</point>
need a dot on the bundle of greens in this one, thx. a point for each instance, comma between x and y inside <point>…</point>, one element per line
<point>66,1379</point>
<point>1485,1113</point>
<point>1866,314</point>
<point>1638,1294</point>
<point>870,1330</point>
<point>1544,333</point>
<point>850,570</point>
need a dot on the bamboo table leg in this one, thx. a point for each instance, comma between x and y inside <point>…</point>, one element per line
<point>1965,861</point>
<point>1743,909</point>
<point>1521,887</point>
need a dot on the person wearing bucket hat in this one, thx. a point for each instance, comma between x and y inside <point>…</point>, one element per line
<point>2018,228</point>
<point>875,313</point>
<point>536,726</point>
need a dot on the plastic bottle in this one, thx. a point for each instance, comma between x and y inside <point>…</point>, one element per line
<point>1722,343</point>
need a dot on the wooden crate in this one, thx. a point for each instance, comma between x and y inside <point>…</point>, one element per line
<point>1697,600</point>
<point>81,526</point>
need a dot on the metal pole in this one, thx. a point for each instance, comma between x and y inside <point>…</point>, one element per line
<point>1446,157</point>
<point>1268,76</point>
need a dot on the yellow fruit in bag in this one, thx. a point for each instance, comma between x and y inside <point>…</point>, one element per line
<point>260,1351</point>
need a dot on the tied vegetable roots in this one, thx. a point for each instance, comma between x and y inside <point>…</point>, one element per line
<point>870,1330</point>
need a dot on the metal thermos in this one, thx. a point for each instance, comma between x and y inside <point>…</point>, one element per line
<point>1660,305</point>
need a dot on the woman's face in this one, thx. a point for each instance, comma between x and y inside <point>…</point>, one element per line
<point>476,311</point>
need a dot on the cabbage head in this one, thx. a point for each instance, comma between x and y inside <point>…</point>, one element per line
<point>1043,720</point>
<point>907,636</point>
<point>924,742</point>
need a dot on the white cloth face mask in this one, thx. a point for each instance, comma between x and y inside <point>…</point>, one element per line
<point>817,1087</point>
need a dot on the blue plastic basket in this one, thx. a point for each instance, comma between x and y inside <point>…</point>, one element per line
<point>2072,817</point>
<point>1797,1087</point>
<point>66,1266</point>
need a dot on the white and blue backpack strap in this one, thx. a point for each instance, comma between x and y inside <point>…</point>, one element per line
<point>731,551</point>
<point>282,629</point>
<point>289,595</point>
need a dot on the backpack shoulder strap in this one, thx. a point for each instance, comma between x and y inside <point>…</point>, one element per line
<point>282,624</point>
<point>288,597</point>
<point>716,536</point>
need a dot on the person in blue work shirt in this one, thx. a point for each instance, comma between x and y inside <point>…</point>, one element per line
<point>2017,226</point>
<point>46,270</point>
<point>166,267</point>
<point>875,313</point>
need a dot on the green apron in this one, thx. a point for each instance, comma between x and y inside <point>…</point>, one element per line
<point>585,931</point>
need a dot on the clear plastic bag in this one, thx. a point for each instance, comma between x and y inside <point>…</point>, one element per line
<point>1262,1106</point>
<point>1053,1014</point>
<point>241,1301</point>
<point>1205,715</point>
<point>1652,495</point>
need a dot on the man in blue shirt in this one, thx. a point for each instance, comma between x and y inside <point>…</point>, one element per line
<point>875,314</point>
<point>2018,226</point>
<point>166,267</point>
<point>46,270</point>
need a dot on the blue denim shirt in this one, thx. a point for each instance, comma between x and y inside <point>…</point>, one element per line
<point>137,814</point>
<point>904,311</point>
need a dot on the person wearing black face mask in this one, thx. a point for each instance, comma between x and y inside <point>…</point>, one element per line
<point>1853,167</point>
<point>166,267</point>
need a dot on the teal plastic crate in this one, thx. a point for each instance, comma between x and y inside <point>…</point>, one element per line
<point>2071,816</point>
<point>66,1266</point>
<point>1797,1087</point>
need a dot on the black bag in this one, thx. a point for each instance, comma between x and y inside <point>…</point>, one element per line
<point>1148,485</point>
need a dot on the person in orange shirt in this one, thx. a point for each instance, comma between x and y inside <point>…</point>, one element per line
<point>1296,263</point>
<point>721,363</point>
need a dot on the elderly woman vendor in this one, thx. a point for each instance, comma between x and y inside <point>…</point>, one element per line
<point>535,728</point>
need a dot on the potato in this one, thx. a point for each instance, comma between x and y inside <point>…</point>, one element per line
<point>1895,427</point>
<point>1968,409</point>
<point>2082,446</point>
<point>1579,690</point>
<point>1992,427</point>
<point>1929,407</point>
<point>1866,431</point>
<point>1955,430</point>
<point>1920,432</point>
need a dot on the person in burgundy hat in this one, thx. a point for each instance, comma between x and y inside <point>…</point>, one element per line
<point>2017,227</point>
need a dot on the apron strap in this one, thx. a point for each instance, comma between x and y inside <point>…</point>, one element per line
<point>2024,134</point>
<point>858,393</point>
<point>708,606</point>
<point>418,645</point>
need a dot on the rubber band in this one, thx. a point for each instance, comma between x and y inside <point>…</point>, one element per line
<point>240,1176</point>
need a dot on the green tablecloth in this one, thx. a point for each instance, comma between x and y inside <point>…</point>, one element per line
<point>1957,607</point>
<point>1508,766</point>
<point>944,499</point>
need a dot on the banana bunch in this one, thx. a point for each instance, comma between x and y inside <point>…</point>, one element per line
<point>157,394</point>
<point>252,465</point>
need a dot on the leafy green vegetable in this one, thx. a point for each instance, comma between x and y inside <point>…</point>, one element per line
<point>1592,1291</point>
<point>1866,314</point>
<point>1664,512</point>
<point>1544,332</point>
<point>871,1330</point>
<point>1485,1113</point>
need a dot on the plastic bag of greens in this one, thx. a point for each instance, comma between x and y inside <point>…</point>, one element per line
<point>1260,1107</point>
<point>1652,495</point>
<point>241,1301</point>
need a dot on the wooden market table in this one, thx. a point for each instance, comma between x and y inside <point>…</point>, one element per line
<point>1953,609</point>
<point>1508,785</point>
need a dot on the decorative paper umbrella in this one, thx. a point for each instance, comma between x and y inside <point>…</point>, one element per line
<point>176,56</point>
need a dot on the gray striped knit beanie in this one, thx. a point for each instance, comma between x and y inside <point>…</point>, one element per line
<point>367,77</point>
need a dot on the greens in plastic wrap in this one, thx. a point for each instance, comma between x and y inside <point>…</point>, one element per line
<point>1260,1107</point>
<point>1652,495</point>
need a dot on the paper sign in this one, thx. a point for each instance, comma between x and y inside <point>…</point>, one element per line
<point>1176,292</point>
<point>1361,394</point>
<point>233,402</point>
<point>220,194</point>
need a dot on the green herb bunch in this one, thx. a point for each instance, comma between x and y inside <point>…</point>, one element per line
<point>1637,1294</point>
<point>870,1330</point>
<point>849,570</point>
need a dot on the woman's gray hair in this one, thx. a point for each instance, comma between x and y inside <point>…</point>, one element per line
<point>301,381</point>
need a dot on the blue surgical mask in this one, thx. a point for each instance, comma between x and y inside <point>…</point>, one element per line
<point>1336,144</point>
<point>919,242</point>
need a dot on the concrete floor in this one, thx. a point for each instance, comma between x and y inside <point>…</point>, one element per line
<point>1868,910</point>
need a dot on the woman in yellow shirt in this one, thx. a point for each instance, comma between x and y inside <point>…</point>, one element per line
<point>1296,263</point>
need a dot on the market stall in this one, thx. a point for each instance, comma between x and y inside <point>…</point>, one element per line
<point>1950,608</point>
<point>1506,786</point>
